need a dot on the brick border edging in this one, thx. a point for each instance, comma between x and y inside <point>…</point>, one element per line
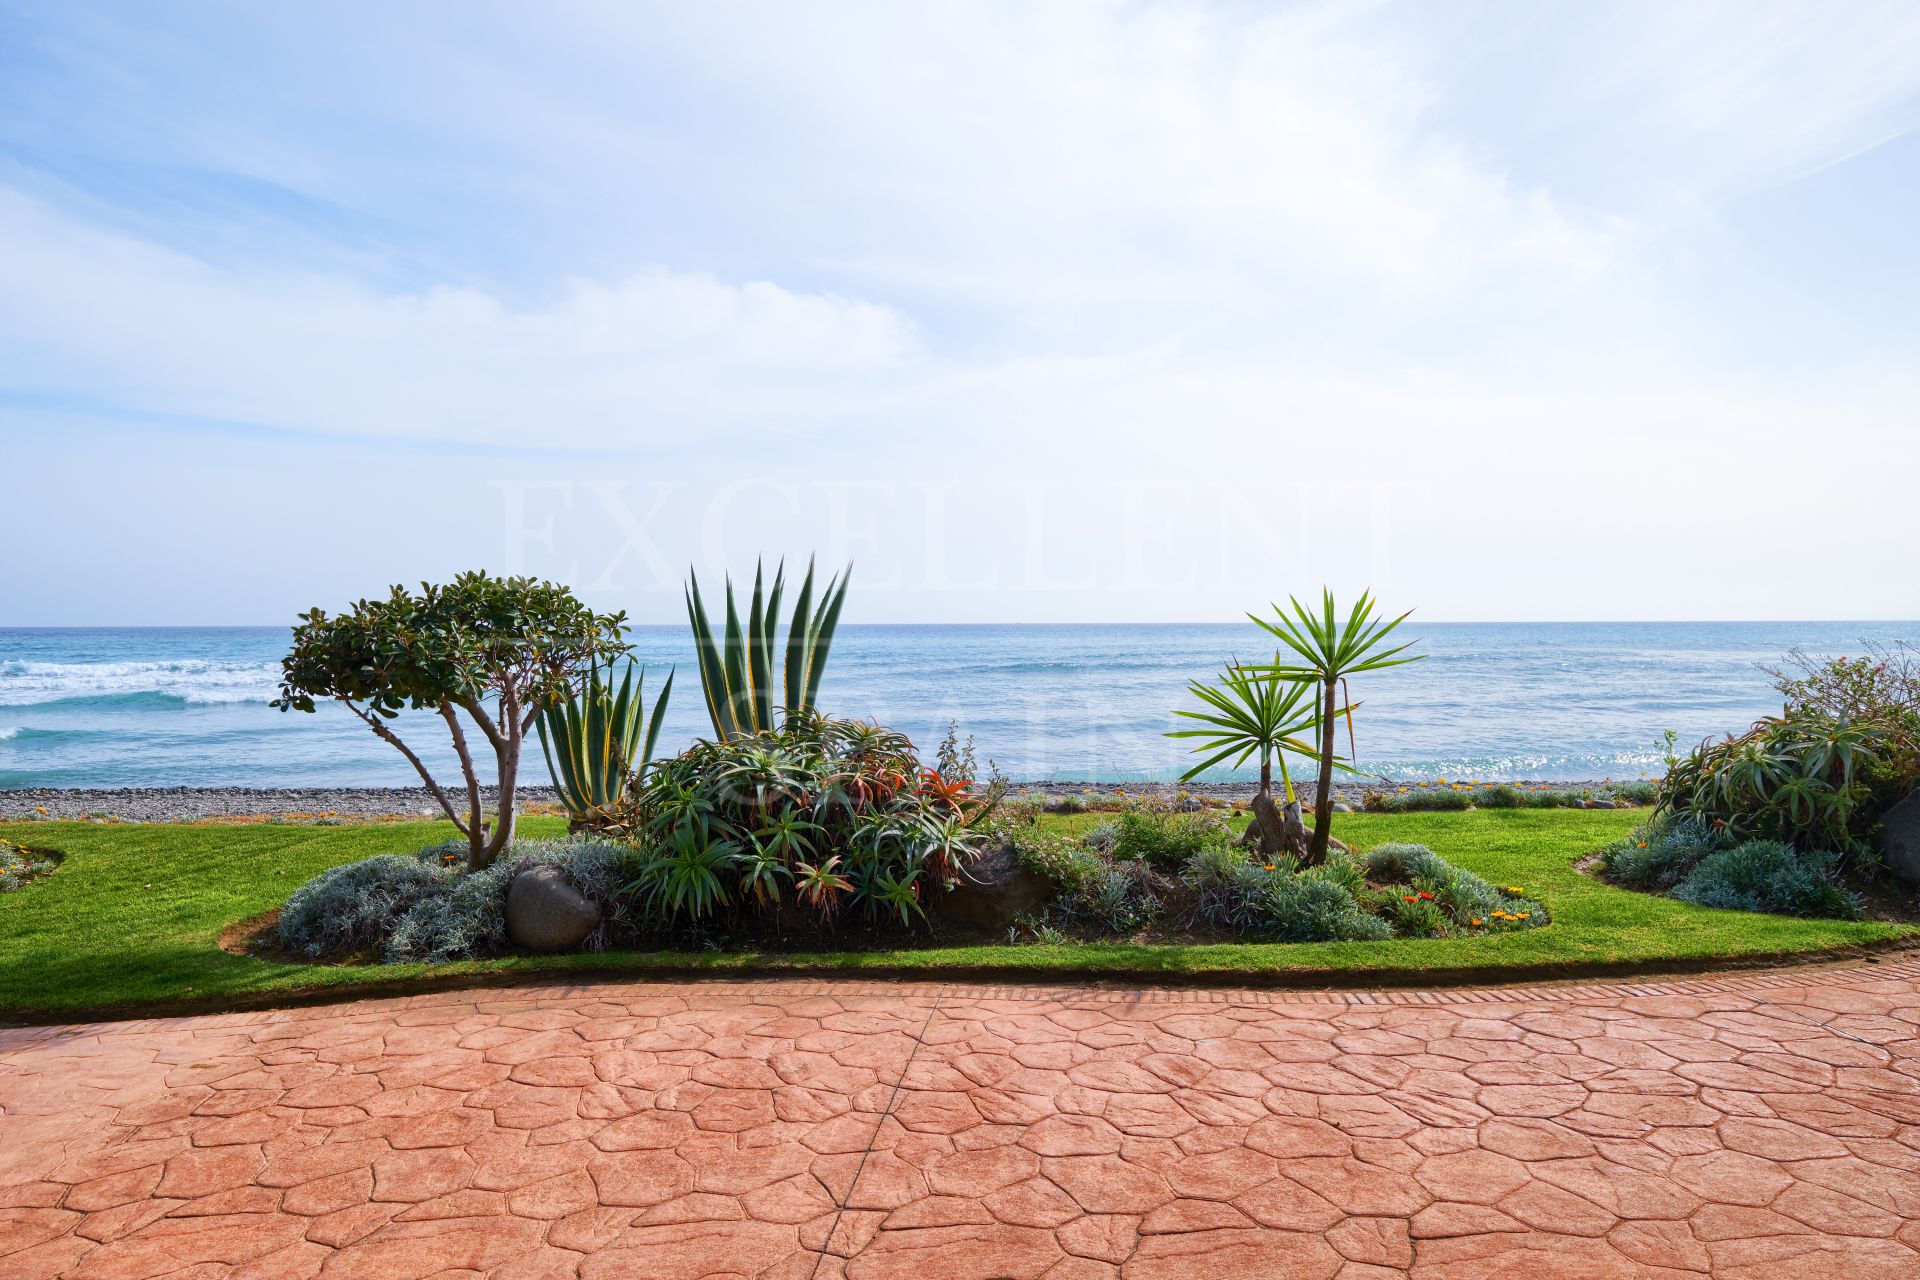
<point>1712,984</point>
<point>1738,984</point>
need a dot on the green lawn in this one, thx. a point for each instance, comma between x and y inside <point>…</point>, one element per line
<point>130,922</point>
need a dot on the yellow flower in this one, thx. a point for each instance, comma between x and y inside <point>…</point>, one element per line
<point>1477,922</point>
<point>40,808</point>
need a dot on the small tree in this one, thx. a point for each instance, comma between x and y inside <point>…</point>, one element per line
<point>1330,652</point>
<point>1257,710</point>
<point>515,643</point>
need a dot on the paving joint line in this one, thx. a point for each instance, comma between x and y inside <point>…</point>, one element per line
<point>1796,1016</point>
<point>893,1097</point>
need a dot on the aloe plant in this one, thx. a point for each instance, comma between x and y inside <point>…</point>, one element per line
<point>737,672</point>
<point>599,741</point>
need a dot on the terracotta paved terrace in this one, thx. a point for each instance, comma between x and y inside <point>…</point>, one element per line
<point>1764,1126</point>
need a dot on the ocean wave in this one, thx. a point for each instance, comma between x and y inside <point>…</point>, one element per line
<point>193,680</point>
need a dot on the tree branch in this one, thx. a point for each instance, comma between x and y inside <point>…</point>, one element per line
<point>466,763</point>
<point>479,713</point>
<point>385,734</point>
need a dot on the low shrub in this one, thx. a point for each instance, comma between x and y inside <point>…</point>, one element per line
<point>1688,857</point>
<point>1344,870</point>
<point>1022,809</point>
<point>1769,875</point>
<point>350,909</point>
<point>1440,800</point>
<point>1274,903</point>
<point>1500,796</point>
<point>1417,800</point>
<point>1641,792</point>
<point>1555,798</point>
<point>1120,899</point>
<point>1660,852</point>
<point>426,908</point>
<point>1164,840</point>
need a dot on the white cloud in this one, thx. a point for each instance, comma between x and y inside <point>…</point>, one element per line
<point>1142,254</point>
<point>626,361</point>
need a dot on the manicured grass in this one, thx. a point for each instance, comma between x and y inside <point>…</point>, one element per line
<point>131,920</point>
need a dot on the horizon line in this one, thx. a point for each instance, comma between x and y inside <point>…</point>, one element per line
<point>1190,622</point>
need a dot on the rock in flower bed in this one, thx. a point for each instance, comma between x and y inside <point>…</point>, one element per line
<point>1167,876</point>
<point>427,907</point>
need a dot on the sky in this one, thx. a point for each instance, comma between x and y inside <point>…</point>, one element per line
<point>1033,312</point>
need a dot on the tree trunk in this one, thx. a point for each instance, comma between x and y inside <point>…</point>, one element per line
<point>505,738</point>
<point>1275,832</point>
<point>476,828</point>
<point>506,750</point>
<point>1323,799</point>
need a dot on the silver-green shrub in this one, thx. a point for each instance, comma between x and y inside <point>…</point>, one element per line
<point>1769,875</point>
<point>420,909</point>
<point>1660,852</point>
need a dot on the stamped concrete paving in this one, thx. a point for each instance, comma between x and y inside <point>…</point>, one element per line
<point>1750,1127</point>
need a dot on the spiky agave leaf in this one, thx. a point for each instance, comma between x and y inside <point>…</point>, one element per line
<point>597,743</point>
<point>737,673</point>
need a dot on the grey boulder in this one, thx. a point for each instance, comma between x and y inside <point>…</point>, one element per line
<point>545,913</point>
<point>1899,838</point>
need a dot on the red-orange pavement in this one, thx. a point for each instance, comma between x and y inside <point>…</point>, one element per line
<point>1760,1126</point>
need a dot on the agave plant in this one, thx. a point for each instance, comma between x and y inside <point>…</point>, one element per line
<point>1256,710</point>
<point>737,673</point>
<point>599,741</point>
<point>1329,651</point>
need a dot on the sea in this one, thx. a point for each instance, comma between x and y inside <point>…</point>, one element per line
<point>189,706</point>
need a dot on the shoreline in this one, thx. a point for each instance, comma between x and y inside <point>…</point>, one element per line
<point>347,804</point>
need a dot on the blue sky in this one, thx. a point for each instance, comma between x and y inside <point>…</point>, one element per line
<point>1056,312</point>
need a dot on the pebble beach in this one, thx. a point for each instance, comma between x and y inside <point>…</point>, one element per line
<point>372,804</point>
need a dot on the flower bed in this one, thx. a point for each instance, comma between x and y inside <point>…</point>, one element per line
<point>20,866</point>
<point>1160,876</point>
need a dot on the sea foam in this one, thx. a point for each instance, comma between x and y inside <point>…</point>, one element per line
<point>24,683</point>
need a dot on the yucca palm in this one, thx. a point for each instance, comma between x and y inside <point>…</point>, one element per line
<point>1256,710</point>
<point>598,742</point>
<point>1329,652</point>
<point>737,673</point>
